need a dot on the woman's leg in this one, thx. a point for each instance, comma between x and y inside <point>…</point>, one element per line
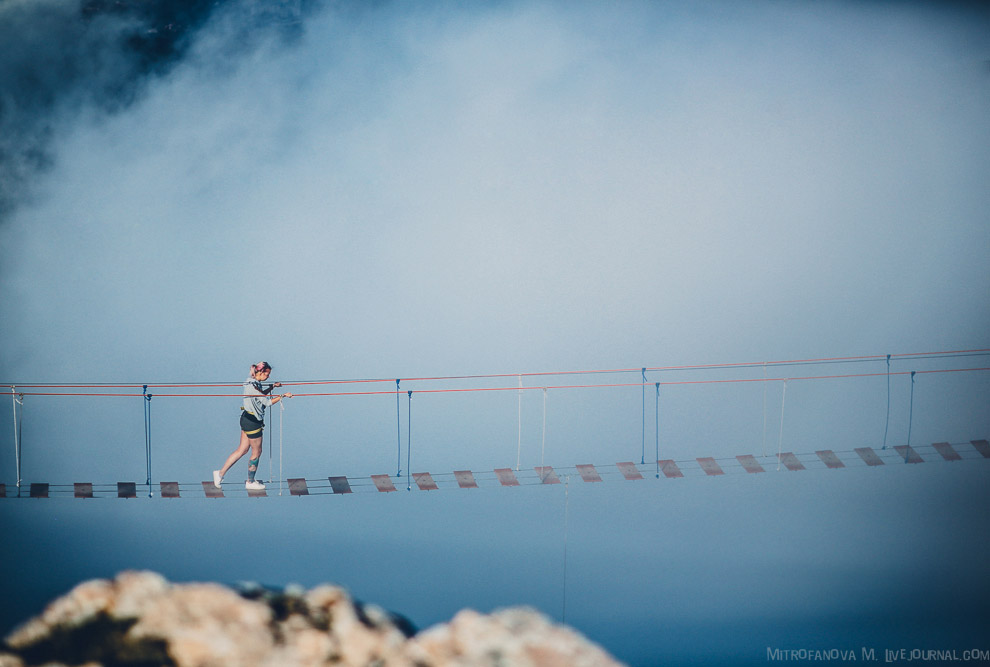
<point>236,455</point>
<point>255,444</point>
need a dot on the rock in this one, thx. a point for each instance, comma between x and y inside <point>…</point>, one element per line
<point>519,637</point>
<point>206,624</point>
<point>139,618</point>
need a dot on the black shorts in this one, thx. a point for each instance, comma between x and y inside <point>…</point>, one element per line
<point>252,427</point>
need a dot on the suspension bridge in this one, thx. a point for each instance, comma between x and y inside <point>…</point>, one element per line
<point>655,467</point>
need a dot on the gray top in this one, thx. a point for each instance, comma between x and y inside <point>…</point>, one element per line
<point>255,400</point>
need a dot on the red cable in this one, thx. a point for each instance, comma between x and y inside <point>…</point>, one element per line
<point>565,386</point>
<point>503,375</point>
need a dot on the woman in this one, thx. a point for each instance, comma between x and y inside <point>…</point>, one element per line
<point>256,399</point>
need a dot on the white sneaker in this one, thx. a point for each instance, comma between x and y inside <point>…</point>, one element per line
<point>217,478</point>
<point>254,486</point>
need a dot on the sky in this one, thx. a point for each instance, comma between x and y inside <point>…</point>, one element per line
<point>423,190</point>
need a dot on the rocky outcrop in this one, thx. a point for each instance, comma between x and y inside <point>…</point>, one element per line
<point>140,619</point>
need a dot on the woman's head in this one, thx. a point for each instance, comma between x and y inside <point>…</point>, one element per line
<point>261,368</point>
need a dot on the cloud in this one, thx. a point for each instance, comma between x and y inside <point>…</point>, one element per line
<point>395,190</point>
<point>62,59</point>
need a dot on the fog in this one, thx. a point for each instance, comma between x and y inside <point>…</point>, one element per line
<point>419,190</point>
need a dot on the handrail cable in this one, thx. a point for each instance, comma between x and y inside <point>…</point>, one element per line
<point>734,365</point>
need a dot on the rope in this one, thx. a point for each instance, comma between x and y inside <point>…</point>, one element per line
<point>887,423</point>
<point>519,423</point>
<point>657,430</point>
<point>409,441</point>
<point>271,476</point>
<point>764,409</point>
<point>17,433</point>
<point>780,437</point>
<point>281,474</point>
<point>792,362</point>
<point>543,443</point>
<point>555,387</point>
<point>910,412</point>
<point>736,365</point>
<point>398,433</point>
<point>642,458</point>
<point>147,435</point>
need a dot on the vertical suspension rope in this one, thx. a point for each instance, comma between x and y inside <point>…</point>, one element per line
<point>409,441</point>
<point>780,436</point>
<point>886,425</point>
<point>543,443</point>
<point>271,446</point>
<point>642,457</point>
<point>271,477</point>
<point>519,424</point>
<point>147,435</point>
<point>764,409</point>
<point>281,476</point>
<point>657,431</point>
<point>398,433</point>
<point>17,435</point>
<point>910,414</point>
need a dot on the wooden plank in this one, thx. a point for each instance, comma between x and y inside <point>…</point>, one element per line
<point>383,483</point>
<point>340,484</point>
<point>947,452</point>
<point>870,456</point>
<point>465,479</point>
<point>710,466</point>
<point>506,477</point>
<point>670,469</point>
<point>791,462</point>
<point>424,481</point>
<point>749,463</point>
<point>629,470</point>
<point>297,486</point>
<point>212,491</point>
<point>908,454</point>
<point>547,475</point>
<point>83,489</point>
<point>126,490</point>
<point>829,458</point>
<point>588,473</point>
<point>170,489</point>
